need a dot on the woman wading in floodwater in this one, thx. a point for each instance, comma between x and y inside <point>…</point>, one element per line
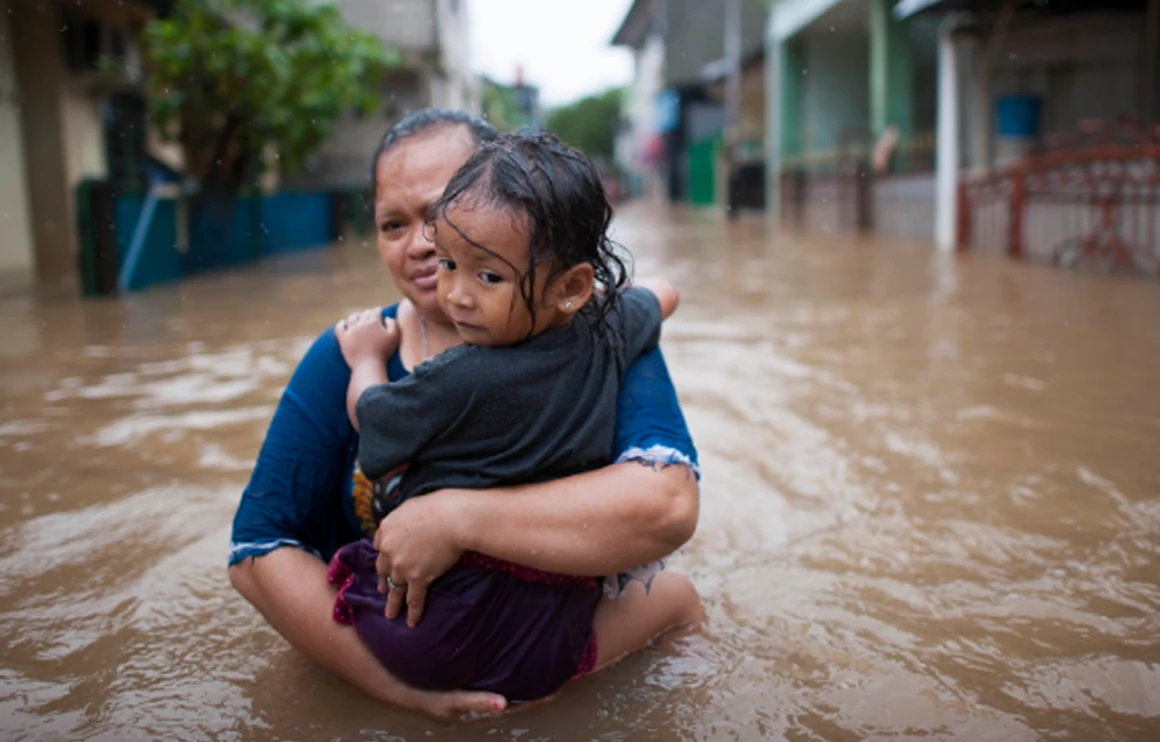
<point>307,496</point>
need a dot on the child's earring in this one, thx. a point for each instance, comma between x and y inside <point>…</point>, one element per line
<point>568,305</point>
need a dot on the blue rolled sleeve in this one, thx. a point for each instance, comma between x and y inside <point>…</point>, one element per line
<point>650,426</point>
<point>650,429</point>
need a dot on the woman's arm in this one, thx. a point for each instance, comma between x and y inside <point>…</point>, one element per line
<point>596,523</point>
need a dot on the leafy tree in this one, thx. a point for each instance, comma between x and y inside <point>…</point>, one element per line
<point>228,79</point>
<point>501,106</point>
<point>590,124</point>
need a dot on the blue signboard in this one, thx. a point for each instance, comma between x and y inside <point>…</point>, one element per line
<point>668,110</point>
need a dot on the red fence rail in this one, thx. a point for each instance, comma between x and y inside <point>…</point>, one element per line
<point>1096,205</point>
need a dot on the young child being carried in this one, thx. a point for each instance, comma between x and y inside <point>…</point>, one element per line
<point>533,285</point>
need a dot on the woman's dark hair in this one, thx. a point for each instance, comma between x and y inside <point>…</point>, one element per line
<point>555,190</point>
<point>425,121</point>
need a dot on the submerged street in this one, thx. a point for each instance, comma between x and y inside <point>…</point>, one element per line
<point>930,504</point>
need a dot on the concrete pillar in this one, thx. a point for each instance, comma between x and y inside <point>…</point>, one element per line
<point>16,254</point>
<point>948,155</point>
<point>784,59</point>
<point>40,68</point>
<point>979,104</point>
<point>891,72</point>
<point>773,62</point>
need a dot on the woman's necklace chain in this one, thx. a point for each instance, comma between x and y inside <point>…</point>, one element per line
<point>423,334</point>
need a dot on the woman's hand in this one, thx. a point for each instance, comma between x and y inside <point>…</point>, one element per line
<point>367,335</point>
<point>417,543</point>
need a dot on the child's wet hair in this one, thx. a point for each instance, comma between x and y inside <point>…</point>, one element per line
<point>556,192</point>
<point>425,121</point>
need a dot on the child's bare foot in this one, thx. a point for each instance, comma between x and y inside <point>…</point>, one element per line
<point>459,705</point>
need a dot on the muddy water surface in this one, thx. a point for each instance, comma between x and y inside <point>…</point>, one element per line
<point>931,503</point>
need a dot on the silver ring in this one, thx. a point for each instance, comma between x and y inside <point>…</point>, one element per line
<point>396,585</point>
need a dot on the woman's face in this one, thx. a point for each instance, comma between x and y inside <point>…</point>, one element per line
<point>408,179</point>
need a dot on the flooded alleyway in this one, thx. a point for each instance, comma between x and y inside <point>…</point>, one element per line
<point>930,506</point>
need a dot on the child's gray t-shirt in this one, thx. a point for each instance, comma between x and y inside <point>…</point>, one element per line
<point>476,417</point>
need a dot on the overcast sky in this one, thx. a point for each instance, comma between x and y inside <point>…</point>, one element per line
<point>561,44</point>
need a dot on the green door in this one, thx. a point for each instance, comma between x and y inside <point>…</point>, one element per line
<point>702,181</point>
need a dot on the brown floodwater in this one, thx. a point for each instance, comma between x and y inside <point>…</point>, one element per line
<point>930,507</point>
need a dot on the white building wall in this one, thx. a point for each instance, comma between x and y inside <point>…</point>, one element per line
<point>434,37</point>
<point>641,109</point>
<point>460,84</point>
<point>84,136</point>
<point>409,25</point>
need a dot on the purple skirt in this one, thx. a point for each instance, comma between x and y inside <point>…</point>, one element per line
<point>500,628</point>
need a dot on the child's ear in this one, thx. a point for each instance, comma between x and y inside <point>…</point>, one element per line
<point>572,290</point>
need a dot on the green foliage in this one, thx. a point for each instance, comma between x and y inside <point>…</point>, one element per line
<point>501,106</point>
<point>229,79</point>
<point>590,124</point>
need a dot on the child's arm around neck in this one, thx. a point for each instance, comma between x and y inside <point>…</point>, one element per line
<point>367,339</point>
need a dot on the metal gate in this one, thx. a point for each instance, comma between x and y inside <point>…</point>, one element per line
<point>1096,205</point>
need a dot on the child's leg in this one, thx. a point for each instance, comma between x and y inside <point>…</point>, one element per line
<point>628,623</point>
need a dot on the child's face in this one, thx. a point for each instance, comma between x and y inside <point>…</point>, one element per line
<point>479,289</point>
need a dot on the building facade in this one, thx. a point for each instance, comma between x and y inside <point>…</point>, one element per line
<point>62,122</point>
<point>674,137</point>
<point>852,109</point>
<point>1043,89</point>
<point>881,112</point>
<point>433,37</point>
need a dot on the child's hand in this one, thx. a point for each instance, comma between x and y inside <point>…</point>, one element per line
<point>666,293</point>
<point>367,335</point>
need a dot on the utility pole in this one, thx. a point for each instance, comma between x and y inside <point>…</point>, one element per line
<point>1151,116</point>
<point>732,102</point>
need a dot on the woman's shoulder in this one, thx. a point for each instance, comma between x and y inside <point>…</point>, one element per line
<point>323,364</point>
